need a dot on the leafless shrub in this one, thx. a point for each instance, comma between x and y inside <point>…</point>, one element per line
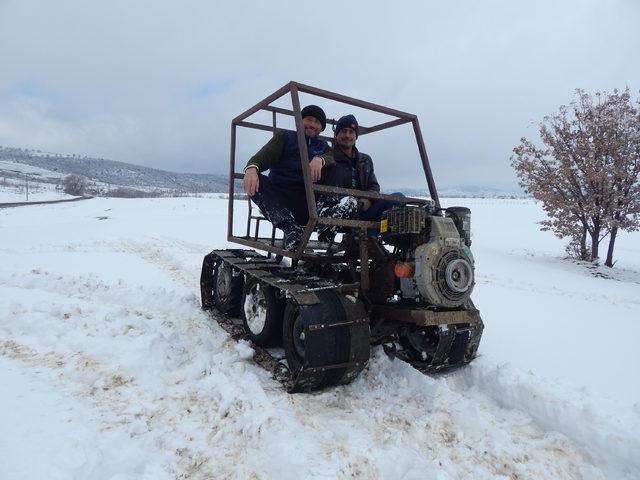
<point>75,185</point>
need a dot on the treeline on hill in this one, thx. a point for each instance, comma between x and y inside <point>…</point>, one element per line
<point>79,186</point>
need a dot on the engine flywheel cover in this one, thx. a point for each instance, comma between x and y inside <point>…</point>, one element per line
<point>445,279</point>
<point>459,275</point>
<point>453,277</point>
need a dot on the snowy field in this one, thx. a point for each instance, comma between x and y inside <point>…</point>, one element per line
<point>110,370</point>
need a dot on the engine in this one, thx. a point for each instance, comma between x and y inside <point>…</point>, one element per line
<point>435,264</point>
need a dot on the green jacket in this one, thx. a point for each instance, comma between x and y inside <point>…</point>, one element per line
<point>269,154</point>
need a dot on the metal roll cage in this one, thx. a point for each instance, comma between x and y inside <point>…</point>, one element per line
<point>294,88</point>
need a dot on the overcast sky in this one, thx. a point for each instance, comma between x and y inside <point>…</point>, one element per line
<point>157,83</point>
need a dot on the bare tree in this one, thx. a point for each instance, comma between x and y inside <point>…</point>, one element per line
<point>75,184</point>
<point>623,152</point>
<point>587,176</point>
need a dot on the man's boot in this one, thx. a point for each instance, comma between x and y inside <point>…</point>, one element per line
<point>292,236</point>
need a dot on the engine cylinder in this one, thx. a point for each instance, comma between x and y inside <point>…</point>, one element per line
<point>461,217</point>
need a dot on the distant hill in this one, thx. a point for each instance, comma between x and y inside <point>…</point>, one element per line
<point>463,191</point>
<point>479,191</point>
<point>116,173</point>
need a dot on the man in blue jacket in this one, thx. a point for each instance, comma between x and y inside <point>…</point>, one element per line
<point>281,195</point>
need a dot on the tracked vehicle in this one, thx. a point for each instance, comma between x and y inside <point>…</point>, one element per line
<point>407,289</point>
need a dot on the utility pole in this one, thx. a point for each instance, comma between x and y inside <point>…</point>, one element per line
<point>26,181</point>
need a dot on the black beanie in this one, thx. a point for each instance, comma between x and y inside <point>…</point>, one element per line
<point>348,121</point>
<point>315,112</point>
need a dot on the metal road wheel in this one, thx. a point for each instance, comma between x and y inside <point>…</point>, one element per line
<point>298,337</point>
<point>421,342</point>
<point>262,313</point>
<point>293,339</point>
<point>227,288</point>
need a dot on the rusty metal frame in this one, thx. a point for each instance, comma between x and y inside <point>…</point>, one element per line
<point>294,89</point>
<point>423,316</point>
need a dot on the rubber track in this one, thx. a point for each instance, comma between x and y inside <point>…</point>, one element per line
<point>280,371</point>
<point>277,367</point>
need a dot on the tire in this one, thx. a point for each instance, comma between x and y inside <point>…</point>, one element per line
<point>262,313</point>
<point>335,343</point>
<point>226,288</point>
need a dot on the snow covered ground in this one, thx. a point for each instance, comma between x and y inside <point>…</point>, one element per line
<point>33,172</point>
<point>110,370</point>
<point>14,191</point>
<point>30,184</point>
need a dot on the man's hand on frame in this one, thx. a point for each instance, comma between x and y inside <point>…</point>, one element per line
<point>251,182</point>
<point>315,165</point>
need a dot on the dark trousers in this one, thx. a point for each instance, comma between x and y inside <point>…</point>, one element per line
<point>284,206</point>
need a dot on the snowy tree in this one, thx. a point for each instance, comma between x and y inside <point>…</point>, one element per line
<point>75,184</point>
<point>587,174</point>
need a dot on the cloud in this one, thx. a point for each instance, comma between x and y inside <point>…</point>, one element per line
<point>157,83</point>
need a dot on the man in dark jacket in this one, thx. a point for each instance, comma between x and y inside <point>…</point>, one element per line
<point>347,167</point>
<point>281,196</point>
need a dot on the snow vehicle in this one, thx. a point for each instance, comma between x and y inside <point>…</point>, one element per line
<point>407,290</point>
